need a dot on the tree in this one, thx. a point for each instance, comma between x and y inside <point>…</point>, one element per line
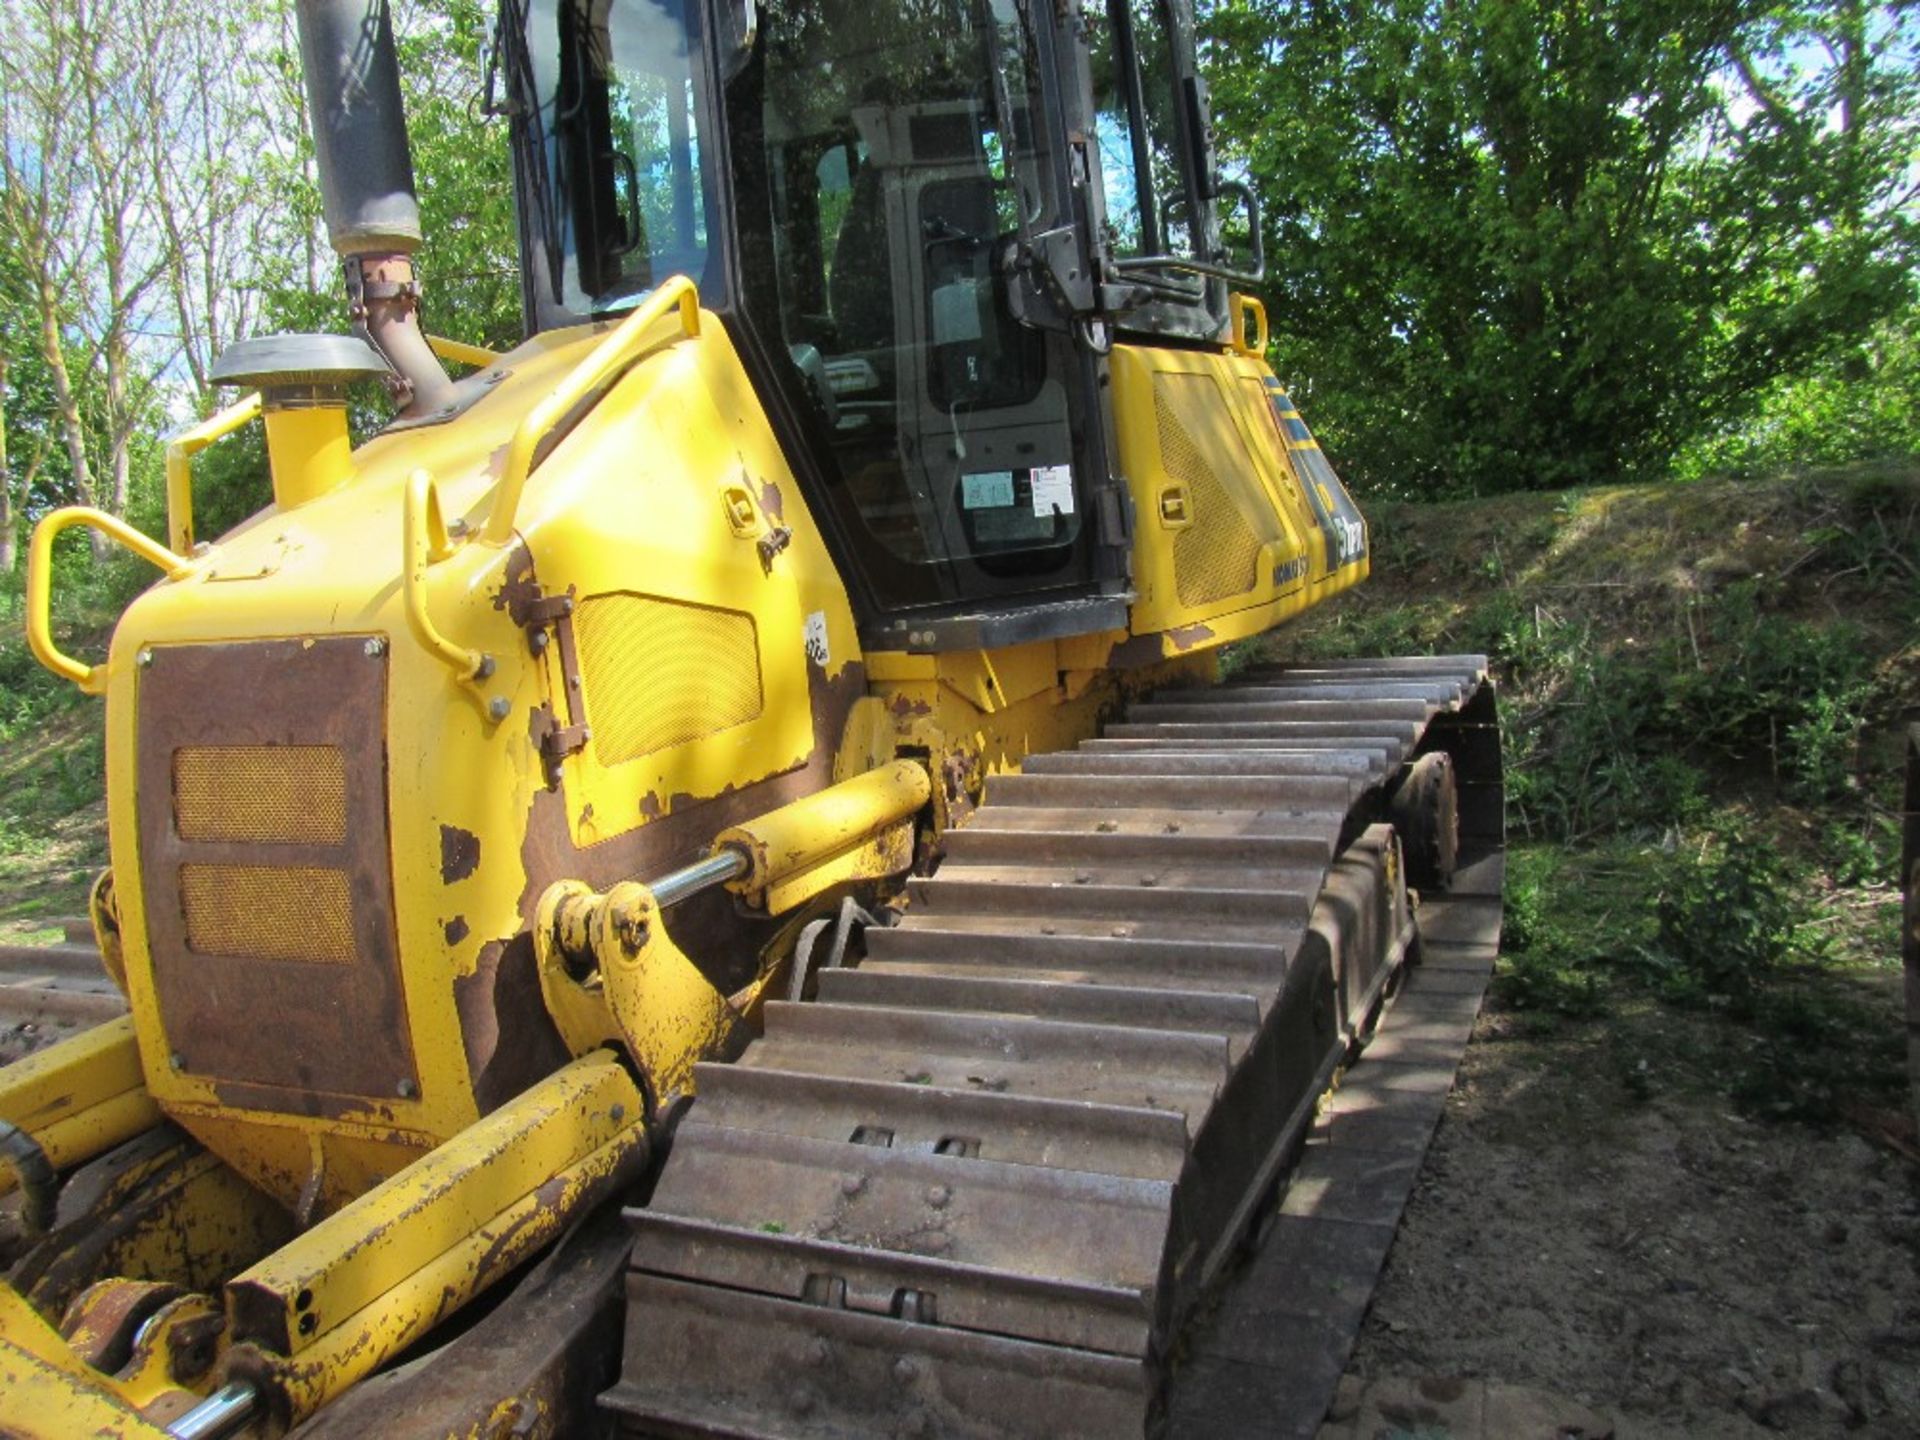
<point>23,394</point>
<point>79,219</point>
<point>1521,243</point>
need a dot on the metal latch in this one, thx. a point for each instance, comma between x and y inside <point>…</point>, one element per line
<point>539,613</point>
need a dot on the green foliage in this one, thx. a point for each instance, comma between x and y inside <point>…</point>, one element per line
<point>1862,850</point>
<point>1727,923</point>
<point>1860,403</point>
<point>1537,245</point>
<point>1793,693</point>
<point>1815,1050</point>
<point>1729,936</point>
<point>1548,962</point>
<point>1620,740</point>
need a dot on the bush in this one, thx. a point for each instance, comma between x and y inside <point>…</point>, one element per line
<point>1726,923</point>
<point>1548,962</point>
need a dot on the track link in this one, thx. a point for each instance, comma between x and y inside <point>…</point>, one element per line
<point>974,1188</point>
<point>55,987</point>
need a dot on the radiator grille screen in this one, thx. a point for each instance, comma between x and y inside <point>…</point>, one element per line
<point>260,794</point>
<point>1218,555</point>
<point>266,862</point>
<point>260,912</point>
<point>660,673</point>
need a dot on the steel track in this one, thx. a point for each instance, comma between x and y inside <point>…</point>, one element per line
<point>976,1186</point>
<point>57,988</point>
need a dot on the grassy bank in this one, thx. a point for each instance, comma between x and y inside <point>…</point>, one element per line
<point>53,831</point>
<point>1701,688</point>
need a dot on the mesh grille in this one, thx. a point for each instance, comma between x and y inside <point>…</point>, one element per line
<point>1218,555</point>
<point>261,912</point>
<point>260,794</point>
<point>660,673</point>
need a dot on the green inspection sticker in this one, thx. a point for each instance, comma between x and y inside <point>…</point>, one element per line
<point>987,490</point>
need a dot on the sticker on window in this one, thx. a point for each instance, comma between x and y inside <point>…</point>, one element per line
<point>1053,490</point>
<point>987,490</point>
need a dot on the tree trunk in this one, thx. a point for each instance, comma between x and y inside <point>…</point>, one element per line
<point>9,536</point>
<point>53,349</point>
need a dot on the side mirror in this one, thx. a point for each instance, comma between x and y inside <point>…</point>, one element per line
<point>739,29</point>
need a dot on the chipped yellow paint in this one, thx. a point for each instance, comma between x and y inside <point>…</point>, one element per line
<point>49,1393</point>
<point>859,829</point>
<point>79,1097</point>
<point>335,1303</point>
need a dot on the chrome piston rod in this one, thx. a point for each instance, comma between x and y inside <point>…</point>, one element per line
<point>220,1414</point>
<point>716,869</point>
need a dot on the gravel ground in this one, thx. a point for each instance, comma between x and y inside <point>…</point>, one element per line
<point>1681,1269</point>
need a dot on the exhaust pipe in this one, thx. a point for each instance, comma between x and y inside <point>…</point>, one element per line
<point>366,185</point>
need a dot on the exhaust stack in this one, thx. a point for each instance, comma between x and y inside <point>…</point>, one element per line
<point>366,184</point>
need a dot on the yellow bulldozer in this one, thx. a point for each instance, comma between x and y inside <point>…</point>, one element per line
<point>705,880</point>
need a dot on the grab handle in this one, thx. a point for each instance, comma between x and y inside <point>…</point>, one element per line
<point>90,678</point>
<point>622,348</point>
<point>425,542</point>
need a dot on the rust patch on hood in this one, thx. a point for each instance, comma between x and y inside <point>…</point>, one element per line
<point>459,853</point>
<point>1139,650</point>
<point>504,991</point>
<point>771,501</point>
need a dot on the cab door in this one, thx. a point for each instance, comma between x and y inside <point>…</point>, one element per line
<point>897,167</point>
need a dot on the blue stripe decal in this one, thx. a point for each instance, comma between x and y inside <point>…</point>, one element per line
<point>1297,429</point>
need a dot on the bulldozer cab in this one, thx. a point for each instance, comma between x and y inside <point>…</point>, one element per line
<point>925,222</point>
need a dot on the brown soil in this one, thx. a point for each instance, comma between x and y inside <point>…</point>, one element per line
<point>1681,1269</point>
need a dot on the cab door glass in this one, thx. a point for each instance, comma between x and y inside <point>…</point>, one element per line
<point>897,175</point>
<point>1136,89</point>
<point>615,107</point>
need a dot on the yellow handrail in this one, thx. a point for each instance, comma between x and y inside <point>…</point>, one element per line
<point>180,452</point>
<point>622,347</point>
<point>90,678</point>
<point>461,353</point>
<point>1244,308</point>
<point>424,536</point>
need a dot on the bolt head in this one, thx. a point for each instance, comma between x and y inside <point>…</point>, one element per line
<point>375,648</point>
<point>144,659</point>
<point>499,708</point>
<point>407,1090</point>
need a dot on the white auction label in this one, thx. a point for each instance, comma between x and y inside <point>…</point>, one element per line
<point>1053,490</point>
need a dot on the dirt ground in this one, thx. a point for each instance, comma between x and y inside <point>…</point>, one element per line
<point>1647,1252</point>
